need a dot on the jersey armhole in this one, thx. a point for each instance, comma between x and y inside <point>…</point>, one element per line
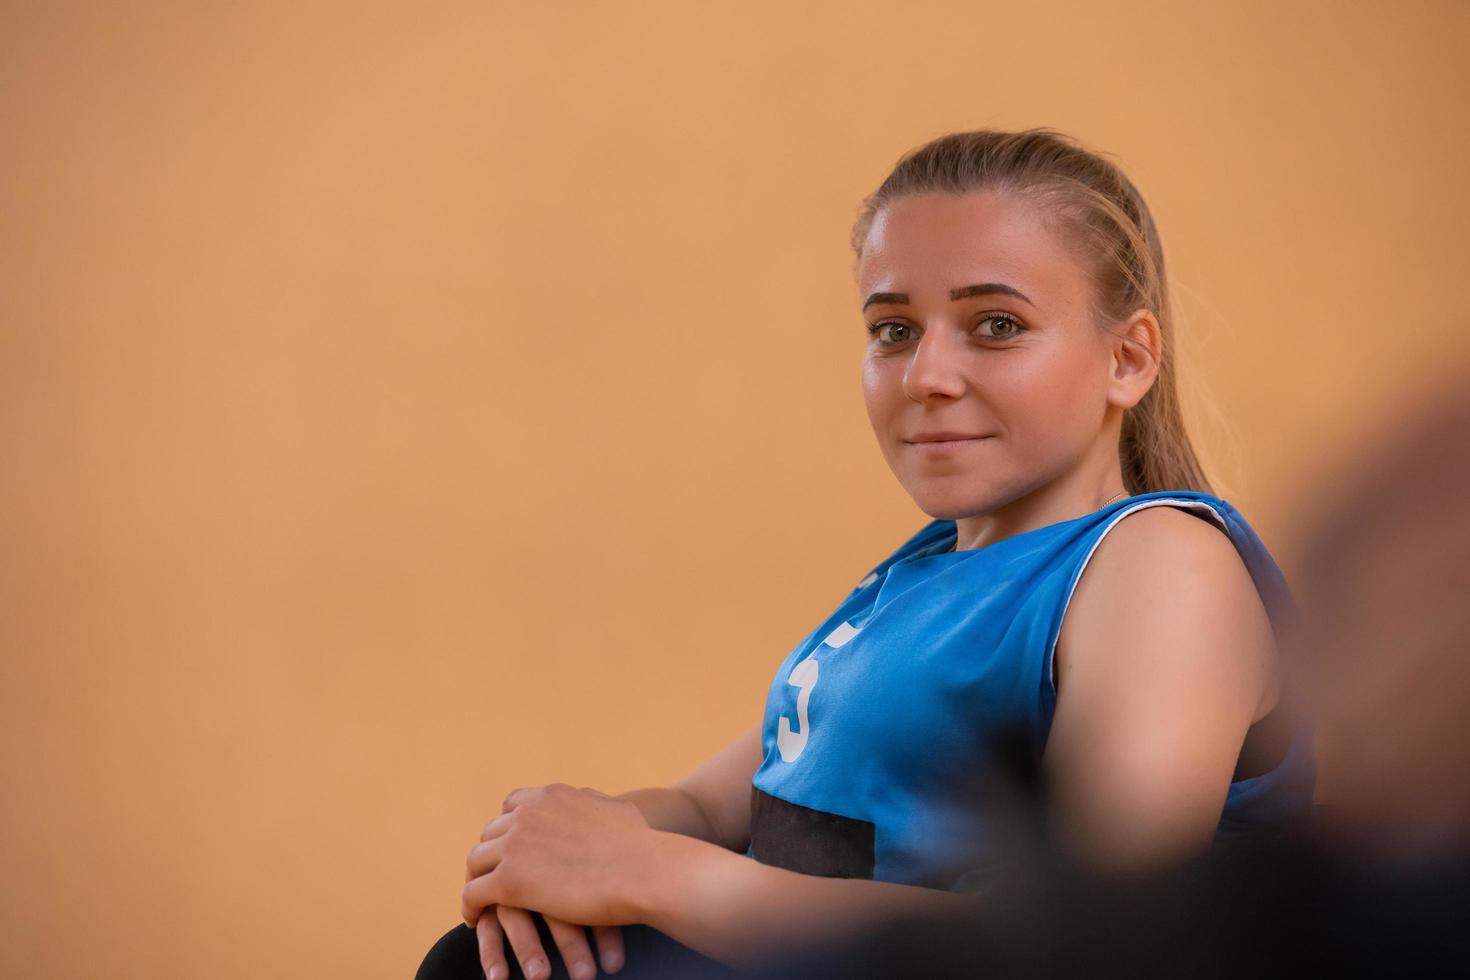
<point>1199,508</point>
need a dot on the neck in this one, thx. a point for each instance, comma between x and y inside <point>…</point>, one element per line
<point>1079,492</point>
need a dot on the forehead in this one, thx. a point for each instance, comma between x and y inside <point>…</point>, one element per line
<point>927,244</point>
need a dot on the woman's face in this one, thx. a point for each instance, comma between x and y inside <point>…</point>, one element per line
<point>981,330</point>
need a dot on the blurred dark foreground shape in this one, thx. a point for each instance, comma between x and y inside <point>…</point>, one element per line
<point>1376,884</point>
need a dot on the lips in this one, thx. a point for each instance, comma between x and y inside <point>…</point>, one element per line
<point>942,445</point>
<point>945,436</point>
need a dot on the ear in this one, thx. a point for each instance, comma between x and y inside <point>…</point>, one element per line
<point>1136,352</point>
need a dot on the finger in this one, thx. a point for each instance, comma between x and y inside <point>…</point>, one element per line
<point>482,858</point>
<point>610,951</point>
<point>576,952</point>
<point>479,895</point>
<point>519,795</point>
<point>492,947</point>
<point>497,826</point>
<point>520,929</point>
<point>516,797</point>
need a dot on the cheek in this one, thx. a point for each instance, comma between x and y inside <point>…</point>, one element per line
<point>1026,390</point>
<point>882,380</point>
<point>1062,376</point>
<point>1046,399</point>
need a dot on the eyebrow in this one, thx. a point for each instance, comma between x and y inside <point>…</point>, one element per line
<point>978,289</point>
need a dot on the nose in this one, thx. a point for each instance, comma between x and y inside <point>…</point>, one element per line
<point>933,370</point>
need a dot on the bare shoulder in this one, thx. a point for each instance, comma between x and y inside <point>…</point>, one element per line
<point>1168,549</point>
<point>1166,588</point>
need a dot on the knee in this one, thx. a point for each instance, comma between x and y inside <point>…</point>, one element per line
<point>456,956</point>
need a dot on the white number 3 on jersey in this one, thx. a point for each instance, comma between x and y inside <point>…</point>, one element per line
<point>804,677</point>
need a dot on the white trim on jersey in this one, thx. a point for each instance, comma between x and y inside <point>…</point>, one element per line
<point>1199,505</point>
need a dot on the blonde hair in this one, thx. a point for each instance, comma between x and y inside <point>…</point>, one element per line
<point>1100,214</point>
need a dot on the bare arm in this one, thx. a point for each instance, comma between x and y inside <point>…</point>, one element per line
<point>1165,658</point>
<point>689,878</point>
<point>737,910</point>
<point>713,802</point>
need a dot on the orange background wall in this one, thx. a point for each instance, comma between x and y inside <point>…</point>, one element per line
<point>401,403</point>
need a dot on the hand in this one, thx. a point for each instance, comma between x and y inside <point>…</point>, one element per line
<point>578,855</point>
<point>517,925</point>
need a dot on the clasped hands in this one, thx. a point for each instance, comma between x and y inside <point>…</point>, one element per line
<point>576,855</point>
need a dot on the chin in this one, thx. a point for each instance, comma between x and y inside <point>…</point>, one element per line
<point>951,499</point>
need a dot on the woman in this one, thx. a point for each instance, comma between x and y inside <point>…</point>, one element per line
<point>1019,379</point>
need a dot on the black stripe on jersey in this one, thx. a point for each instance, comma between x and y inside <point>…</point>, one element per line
<point>809,841</point>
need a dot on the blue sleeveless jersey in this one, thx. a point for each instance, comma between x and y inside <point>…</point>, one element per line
<point>878,725</point>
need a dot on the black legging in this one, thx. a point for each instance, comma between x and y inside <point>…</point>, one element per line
<point>651,955</point>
